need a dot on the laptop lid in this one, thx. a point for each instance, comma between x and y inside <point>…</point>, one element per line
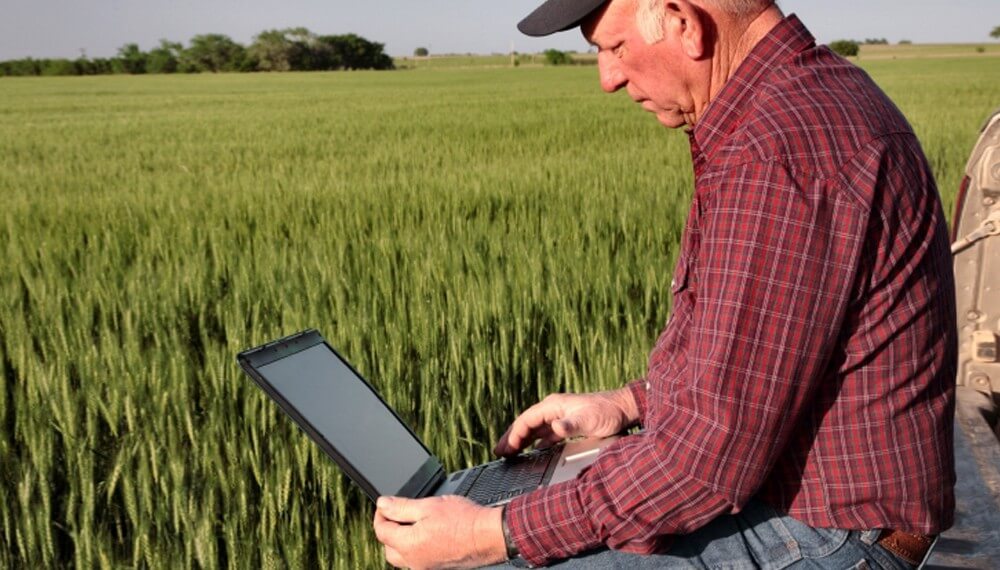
<point>343,414</point>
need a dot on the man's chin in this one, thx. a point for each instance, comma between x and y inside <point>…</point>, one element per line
<point>671,120</point>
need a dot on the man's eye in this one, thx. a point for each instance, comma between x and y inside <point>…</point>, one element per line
<point>618,50</point>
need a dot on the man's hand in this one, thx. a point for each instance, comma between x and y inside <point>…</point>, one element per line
<point>439,532</point>
<point>560,416</point>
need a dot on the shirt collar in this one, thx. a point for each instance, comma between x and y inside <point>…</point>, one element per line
<point>789,38</point>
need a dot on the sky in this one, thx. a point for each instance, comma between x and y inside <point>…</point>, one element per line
<point>97,28</point>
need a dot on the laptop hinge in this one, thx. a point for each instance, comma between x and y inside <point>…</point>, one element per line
<point>425,480</point>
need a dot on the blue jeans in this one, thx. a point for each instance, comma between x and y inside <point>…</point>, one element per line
<point>756,538</point>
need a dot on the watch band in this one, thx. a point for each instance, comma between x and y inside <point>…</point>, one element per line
<point>512,551</point>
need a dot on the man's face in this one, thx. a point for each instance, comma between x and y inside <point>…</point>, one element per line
<point>652,74</point>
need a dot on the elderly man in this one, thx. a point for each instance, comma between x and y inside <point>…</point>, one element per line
<point>797,409</point>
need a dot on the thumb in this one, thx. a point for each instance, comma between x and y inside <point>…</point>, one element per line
<point>399,509</point>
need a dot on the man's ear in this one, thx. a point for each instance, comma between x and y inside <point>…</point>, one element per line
<point>688,24</point>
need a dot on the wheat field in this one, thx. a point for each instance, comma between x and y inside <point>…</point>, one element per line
<point>470,239</point>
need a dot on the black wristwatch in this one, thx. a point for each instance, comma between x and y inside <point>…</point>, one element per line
<point>513,554</point>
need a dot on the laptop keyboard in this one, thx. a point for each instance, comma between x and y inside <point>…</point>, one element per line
<point>503,480</point>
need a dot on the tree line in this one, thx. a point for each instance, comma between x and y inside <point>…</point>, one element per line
<point>851,48</point>
<point>291,49</point>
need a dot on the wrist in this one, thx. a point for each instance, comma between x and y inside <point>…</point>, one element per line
<point>625,401</point>
<point>490,526</point>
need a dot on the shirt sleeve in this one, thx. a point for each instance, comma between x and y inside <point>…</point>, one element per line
<point>767,288</point>
<point>639,389</point>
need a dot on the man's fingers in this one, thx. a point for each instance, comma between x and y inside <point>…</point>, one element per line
<point>548,439</point>
<point>393,557</point>
<point>522,432</point>
<point>559,430</point>
<point>517,435</point>
<point>542,437</point>
<point>543,433</point>
<point>401,509</point>
<point>386,530</point>
<point>502,447</point>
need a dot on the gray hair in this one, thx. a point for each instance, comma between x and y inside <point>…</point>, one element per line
<point>650,14</point>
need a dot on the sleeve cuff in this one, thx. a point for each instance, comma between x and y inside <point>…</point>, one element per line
<point>640,389</point>
<point>572,533</point>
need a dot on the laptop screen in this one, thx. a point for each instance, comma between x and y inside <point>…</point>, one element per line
<point>349,416</point>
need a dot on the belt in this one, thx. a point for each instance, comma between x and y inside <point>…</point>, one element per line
<point>910,547</point>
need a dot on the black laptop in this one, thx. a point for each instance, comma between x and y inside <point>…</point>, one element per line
<point>342,413</point>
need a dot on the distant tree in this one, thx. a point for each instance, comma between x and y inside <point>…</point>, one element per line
<point>274,52</point>
<point>995,33</point>
<point>29,66</point>
<point>298,49</point>
<point>421,52</point>
<point>876,41</point>
<point>103,66</point>
<point>314,54</point>
<point>84,66</point>
<point>556,57</point>
<point>59,67</point>
<point>19,67</point>
<point>131,59</point>
<point>291,49</point>
<point>281,50</point>
<point>165,58</point>
<point>213,52</point>
<point>96,66</point>
<point>79,66</point>
<point>351,51</point>
<point>905,42</point>
<point>846,48</point>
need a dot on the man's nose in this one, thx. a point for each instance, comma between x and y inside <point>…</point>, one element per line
<point>612,78</point>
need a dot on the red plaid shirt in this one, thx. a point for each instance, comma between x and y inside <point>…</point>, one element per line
<point>810,356</point>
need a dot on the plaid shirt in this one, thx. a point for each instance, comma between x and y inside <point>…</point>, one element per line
<point>811,353</point>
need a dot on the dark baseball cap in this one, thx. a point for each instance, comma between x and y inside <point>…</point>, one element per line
<point>557,16</point>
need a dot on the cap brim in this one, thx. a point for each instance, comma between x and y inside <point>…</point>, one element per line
<point>557,16</point>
